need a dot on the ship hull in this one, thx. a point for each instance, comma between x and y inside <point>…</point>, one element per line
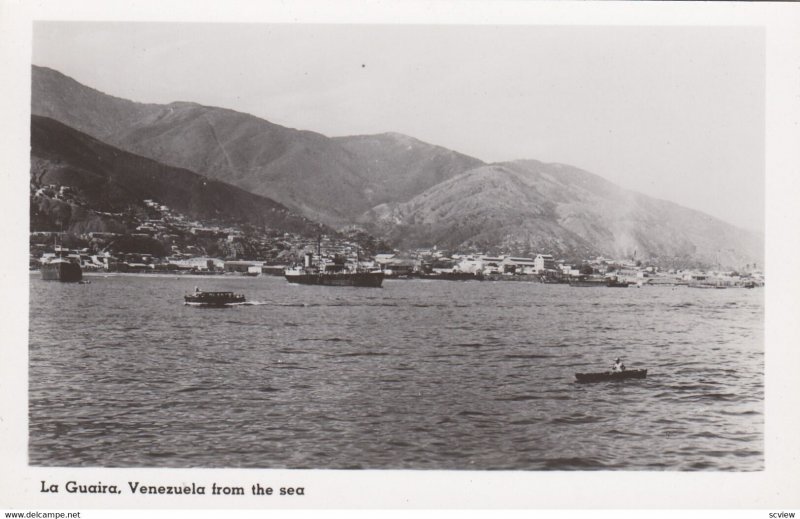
<point>62,271</point>
<point>587,283</point>
<point>357,279</point>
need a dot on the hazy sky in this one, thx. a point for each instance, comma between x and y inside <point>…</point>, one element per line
<point>672,112</point>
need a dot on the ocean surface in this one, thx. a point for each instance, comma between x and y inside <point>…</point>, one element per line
<point>415,375</point>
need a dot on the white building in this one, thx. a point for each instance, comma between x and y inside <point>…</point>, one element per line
<point>544,262</point>
<point>470,264</point>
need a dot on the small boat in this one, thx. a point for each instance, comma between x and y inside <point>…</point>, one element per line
<point>707,285</point>
<point>609,375</point>
<point>215,299</point>
<point>588,282</point>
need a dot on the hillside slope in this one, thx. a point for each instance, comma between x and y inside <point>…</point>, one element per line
<point>398,167</point>
<point>400,188</point>
<point>526,207</point>
<point>110,180</point>
<point>331,180</point>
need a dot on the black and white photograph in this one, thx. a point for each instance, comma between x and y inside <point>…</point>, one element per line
<point>396,248</point>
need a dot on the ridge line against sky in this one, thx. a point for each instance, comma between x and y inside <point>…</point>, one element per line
<point>675,113</point>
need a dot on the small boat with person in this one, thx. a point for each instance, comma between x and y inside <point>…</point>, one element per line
<point>213,299</point>
<point>611,375</point>
<point>617,372</point>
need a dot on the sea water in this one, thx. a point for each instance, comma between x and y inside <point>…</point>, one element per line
<point>415,375</point>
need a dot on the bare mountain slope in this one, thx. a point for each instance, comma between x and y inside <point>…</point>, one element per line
<point>100,115</point>
<point>529,206</point>
<point>332,180</point>
<point>110,180</point>
<point>398,167</point>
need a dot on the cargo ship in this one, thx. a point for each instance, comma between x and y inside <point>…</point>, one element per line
<point>335,274</point>
<point>61,267</point>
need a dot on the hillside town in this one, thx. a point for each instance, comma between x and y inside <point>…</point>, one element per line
<point>157,239</point>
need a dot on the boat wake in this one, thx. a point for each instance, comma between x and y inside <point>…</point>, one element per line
<point>268,303</point>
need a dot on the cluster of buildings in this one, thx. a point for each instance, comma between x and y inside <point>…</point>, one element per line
<point>54,192</point>
<point>159,239</point>
<point>427,261</point>
<point>196,247</point>
<point>540,267</point>
<point>544,267</point>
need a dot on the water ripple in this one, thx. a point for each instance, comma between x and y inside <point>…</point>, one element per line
<point>475,376</point>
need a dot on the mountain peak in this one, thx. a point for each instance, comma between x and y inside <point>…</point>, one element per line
<point>401,137</point>
<point>185,104</point>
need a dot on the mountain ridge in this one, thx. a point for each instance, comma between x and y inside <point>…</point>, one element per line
<point>524,207</point>
<point>110,180</point>
<point>324,178</point>
<point>400,188</point>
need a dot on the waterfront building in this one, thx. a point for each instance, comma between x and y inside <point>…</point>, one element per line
<point>199,263</point>
<point>491,264</point>
<point>242,267</point>
<point>511,265</point>
<point>470,264</point>
<point>544,262</point>
<point>396,266</point>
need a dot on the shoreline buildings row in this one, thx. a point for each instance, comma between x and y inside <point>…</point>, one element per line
<point>158,239</point>
<point>421,263</point>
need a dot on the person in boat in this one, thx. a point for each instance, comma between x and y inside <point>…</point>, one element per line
<point>618,366</point>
